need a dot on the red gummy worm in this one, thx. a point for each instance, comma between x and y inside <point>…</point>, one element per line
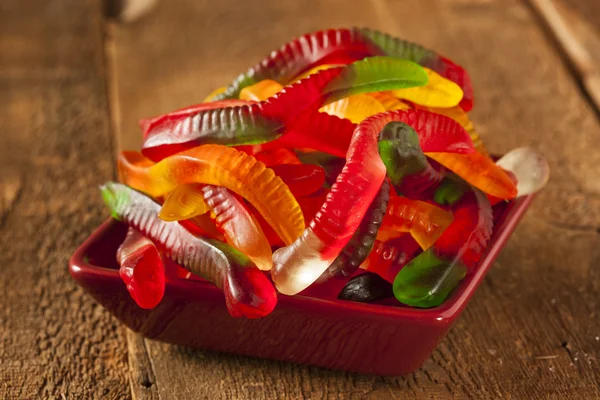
<point>332,46</point>
<point>302,179</point>
<point>248,292</point>
<point>142,269</point>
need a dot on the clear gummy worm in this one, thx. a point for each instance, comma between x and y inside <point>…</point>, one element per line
<point>248,292</point>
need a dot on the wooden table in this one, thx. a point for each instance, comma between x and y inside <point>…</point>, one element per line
<point>73,83</point>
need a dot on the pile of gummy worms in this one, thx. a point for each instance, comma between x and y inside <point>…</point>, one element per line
<point>347,154</point>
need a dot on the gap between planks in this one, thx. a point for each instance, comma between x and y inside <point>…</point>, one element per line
<point>578,44</point>
<point>142,378</point>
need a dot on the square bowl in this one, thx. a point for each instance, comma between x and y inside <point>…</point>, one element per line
<point>365,338</point>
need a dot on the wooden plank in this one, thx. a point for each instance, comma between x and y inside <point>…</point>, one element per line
<point>55,341</point>
<point>579,40</point>
<point>531,330</point>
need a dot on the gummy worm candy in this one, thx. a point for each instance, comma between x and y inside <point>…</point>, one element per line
<point>366,288</point>
<point>142,269</point>
<point>319,131</point>
<point>277,156</point>
<point>330,46</point>
<point>261,90</point>
<point>248,292</point>
<point>220,166</point>
<point>354,108</point>
<point>529,167</point>
<point>298,265</point>
<point>166,121</point>
<point>428,279</point>
<point>460,116</point>
<point>332,135</point>
<point>439,92</point>
<point>340,46</point>
<point>405,162</point>
<point>480,171</point>
<point>396,47</point>
<point>241,230</point>
<point>202,225</point>
<point>265,121</point>
<point>450,191</point>
<point>387,258</point>
<point>389,102</point>
<point>301,179</point>
<point>314,70</point>
<point>358,248</point>
<point>212,96</point>
<point>401,153</point>
<point>425,222</point>
<point>332,165</point>
<point>184,202</point>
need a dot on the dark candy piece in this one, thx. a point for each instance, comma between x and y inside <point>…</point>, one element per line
<point>366,288</point>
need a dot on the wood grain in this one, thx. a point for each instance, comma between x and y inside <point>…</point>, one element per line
<point>55,341</point>
<point>578,39</point>
<point>531,331</point>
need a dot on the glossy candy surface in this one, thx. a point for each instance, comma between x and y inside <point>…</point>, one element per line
<point>460,116</point>
<point>342,46</point>
<point>436,133</point>
<point>277,157</point>
<point>241,229</point>
<point>396,47</point>
<point>330,46</point>
<point>406,164</point>
<point>267,120</point>
<point>142,269</point>
<point>388,257</point>
<point>298,265</point>
<point>359,247</point>
<point>480,171</point>
<point>301,179</point>
<point>212,96</point>
<point>425,222</point>
<point>438,92</point>
<point>361,135</point>
<point>389,101</point>
<point>202,225</point>
<point>261,90</point>
<point>248,292</point>
<point>220,166</point>
<point>428,279</point>
<point>366,288</point>
<point>166,122</point>
<point>184,202</point>
<point>529,167</point>
<point>404,336</point>
<point>354,108</point>
<point>314,70</point>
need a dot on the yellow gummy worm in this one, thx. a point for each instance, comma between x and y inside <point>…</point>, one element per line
<point>388,101</point>
<point>211,96</point>
<point>355,108</point>
<point>261,91</point>
<point>438,92</point>
<point>183,203</point>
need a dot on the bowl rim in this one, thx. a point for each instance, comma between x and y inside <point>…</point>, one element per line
<point>442,314</point>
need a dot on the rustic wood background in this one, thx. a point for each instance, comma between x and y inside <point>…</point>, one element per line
<point>73,83</point>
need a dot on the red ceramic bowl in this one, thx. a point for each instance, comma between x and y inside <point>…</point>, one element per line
<point>365,338</point>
